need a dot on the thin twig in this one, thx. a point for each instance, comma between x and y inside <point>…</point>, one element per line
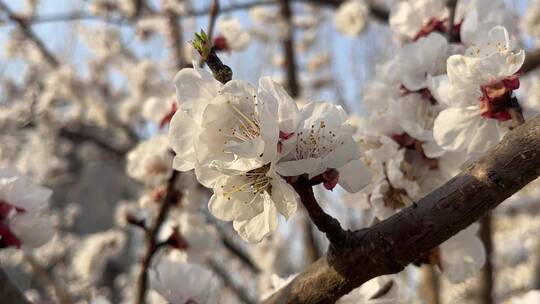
<point>486,274</point>
<point>235,249</point>
<point>239,291</point>
<point>324,222</point>
<point>30,35</point>
<point>212,16</point>
<point>152,244</point>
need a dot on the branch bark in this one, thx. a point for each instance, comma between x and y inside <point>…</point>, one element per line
<point>390,245</point>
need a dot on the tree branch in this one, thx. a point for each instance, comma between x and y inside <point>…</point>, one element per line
<point>288,47</point>
<point>152,244</point>
<point>27,31</point>
<point>324,222</point>
<point>9,292</point>
<point>392,244</point>
<point>486,274</point>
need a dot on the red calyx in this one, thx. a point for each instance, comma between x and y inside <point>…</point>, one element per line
<point>220,44</point>
<point>167,118</point>
<point>425,93</point>
<point>330,179</point>
<point>497,98</point>
<point>7,237</point>
<point>177,240</point>
<point>408,142</point>
<point>433,25</point>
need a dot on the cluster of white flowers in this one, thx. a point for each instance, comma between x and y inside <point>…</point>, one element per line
<point>444,98</point>
<point>243,141</point>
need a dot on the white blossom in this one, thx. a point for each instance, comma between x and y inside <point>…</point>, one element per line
<point>150,162</point>
<point>351,17</point>
<point>476,92</point>
<point>23,208</point>
<point>236,39</point>
<point>181,282</point>
<point>324,141</point>
<point>252,201</point>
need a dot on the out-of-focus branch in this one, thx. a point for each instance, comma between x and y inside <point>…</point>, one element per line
<point>42,276</point>
<point>532,61</point>
<point>30,35</point>
<point>225,276</point>
<point>9,292</point>
<point>82,133</point>
<point>288,49</point>
<point>377,12</point>
<point>392,244</point>
<point>175,40</point>
<point>152,244</point>
<point>212,16</point>
<point>235,249</point>
<point>430,285</point>
<point>312,252</point>
<point>486,274</point>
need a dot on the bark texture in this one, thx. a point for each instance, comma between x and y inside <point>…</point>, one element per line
<point>390,245</point>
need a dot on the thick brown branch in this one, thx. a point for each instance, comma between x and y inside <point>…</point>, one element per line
<point>27,31</point>
<point>152,244</point>
<point>392,244</point>
<point>9,292</point>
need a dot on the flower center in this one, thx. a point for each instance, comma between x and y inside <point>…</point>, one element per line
<point>317,142</point>
<point>254,182</point>
<point>247,126</point>
<point>497,97</point>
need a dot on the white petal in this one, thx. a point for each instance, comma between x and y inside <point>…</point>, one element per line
<point>256,228</point>
<point>462,256</point>
<point>284,197</point>
<point>288,113</point>
<point>182,133</point>
<point>354,176</point>
<point>299,167</point>
<point>454,127</point>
